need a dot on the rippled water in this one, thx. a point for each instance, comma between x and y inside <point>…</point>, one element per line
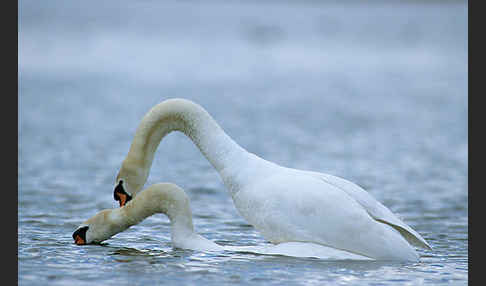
<point>374,93</point>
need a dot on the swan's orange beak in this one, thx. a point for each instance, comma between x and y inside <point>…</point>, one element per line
<point>123,198</point>
<point>79,240</point>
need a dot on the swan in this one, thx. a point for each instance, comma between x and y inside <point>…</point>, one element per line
<point>171,200</point>
<point>283,204</point>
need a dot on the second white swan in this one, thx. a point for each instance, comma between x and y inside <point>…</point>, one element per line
<point>171,200</point>
<point>283,204</point>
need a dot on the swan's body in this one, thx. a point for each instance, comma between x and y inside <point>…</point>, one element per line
<point>283,204</point>
<point>172,201</point>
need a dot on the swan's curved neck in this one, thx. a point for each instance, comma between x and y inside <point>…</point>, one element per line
<point>192,120</point>
<point>162,198</point>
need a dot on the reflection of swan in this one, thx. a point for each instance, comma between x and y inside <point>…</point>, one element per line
<point>283,204</point>
<point>171,200</point>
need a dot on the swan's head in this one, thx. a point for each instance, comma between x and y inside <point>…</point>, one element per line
<point>97,229</point>
<point>129,181</point>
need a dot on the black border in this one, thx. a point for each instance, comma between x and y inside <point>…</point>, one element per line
<point>10,116</point>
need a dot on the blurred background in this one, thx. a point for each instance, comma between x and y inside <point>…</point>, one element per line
<point>373,91</point>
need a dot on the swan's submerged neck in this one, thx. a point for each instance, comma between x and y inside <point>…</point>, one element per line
<point>188,118</point>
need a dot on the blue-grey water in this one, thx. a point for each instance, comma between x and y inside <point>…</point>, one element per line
<point>374,92</point>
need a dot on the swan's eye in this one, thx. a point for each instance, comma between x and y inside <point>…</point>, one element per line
<point>120,195</point>
<point>79,235</point>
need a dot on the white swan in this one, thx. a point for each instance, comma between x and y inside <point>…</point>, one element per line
<point>283,204</point>
<point>172,201</point>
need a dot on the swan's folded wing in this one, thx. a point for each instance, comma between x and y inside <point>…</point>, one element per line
<point>376,210</point>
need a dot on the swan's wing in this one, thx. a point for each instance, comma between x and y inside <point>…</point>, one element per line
<point>374,208</point>
<point>294,207</point>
